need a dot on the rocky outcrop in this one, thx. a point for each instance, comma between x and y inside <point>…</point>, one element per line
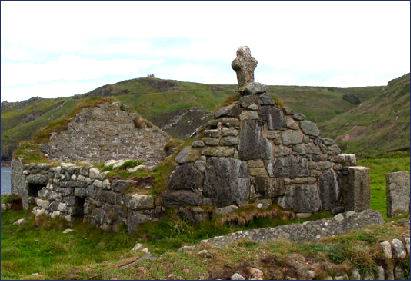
<point>108,132</point>
<point>254,149</point>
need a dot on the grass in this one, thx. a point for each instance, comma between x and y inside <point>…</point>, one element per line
<point>379,167</point>
<point>89,253</point>
<point>30,152</point>
<point>27,249</point>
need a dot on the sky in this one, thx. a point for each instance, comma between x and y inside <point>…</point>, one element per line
<point>51,49</point>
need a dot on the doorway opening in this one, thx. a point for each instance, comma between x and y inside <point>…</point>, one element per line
<point>33,189</point>
<point>78,211</point>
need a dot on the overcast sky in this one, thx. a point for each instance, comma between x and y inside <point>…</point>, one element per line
<point>52,49</point>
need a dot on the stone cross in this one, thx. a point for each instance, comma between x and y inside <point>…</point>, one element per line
<point>244,65</point>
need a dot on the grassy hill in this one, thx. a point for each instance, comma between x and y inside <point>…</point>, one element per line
<point>379,124</point>
<point>156,98</point>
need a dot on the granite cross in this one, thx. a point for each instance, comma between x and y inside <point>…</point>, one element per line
<point>244,65</point>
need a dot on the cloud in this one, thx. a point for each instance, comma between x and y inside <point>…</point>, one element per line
<point>56,48</point>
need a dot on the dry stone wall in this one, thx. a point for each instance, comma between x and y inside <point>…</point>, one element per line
<point>254,149</point>
<point>108,132</point>
<point>71,191</point>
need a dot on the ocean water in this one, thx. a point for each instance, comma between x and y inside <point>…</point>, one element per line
<point>5,180</point>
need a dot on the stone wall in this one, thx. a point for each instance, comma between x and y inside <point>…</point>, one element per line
<point>108,132</point>
<point>71,191</point>
<point>254,149</point>
<point>398,193</point>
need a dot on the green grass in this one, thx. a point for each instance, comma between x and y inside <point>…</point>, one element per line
<point>379,167</point>
<point>89,253</point>
<point>27,249</point>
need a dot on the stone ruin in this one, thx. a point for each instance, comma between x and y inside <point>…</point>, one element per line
<point>252,152</point>
<point>108,132</point>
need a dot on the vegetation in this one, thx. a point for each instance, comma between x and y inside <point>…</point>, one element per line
<point>378,125</point>
<point>379,167</point>
<point>40,250</point>
<point>30,152</point>
<point>153,97</point>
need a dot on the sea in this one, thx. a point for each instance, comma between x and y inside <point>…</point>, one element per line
<point>5,180</point>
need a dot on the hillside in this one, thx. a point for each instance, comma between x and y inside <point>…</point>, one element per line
<point>167,103</point>
<point>379,124</point>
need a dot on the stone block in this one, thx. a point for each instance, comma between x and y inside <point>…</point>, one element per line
<point>219,151</point>
<point>186,176</point>
<point>292,137</point>
<point>37,179</point>
<point>292,166</point>
<point>226,181</point>
<point>211,141</point>
<point>247,114</point>
<point>328,185</point>
<point>302,198</point>
<point>188,154</point>
<point>346,160</point>
<point>254,88</point>
<point>229,132</point>
<point>298,116</point>
<point>398,249</point>
<point>355,188</point>
<point>273,117</point>
<point>182,198</point>
<point>252,145</point>
<point>309,128</point>
<point>122,185</point>
<point>198,144</point>
<point>291,124</point>
<point>229,141</point>
<point>134,219</point>
<point>269,187</point>
<point>140,202</point>
<point>231,110</point>
<point>281,150</point>
<point>213,133</point>
<point>398,193</point>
